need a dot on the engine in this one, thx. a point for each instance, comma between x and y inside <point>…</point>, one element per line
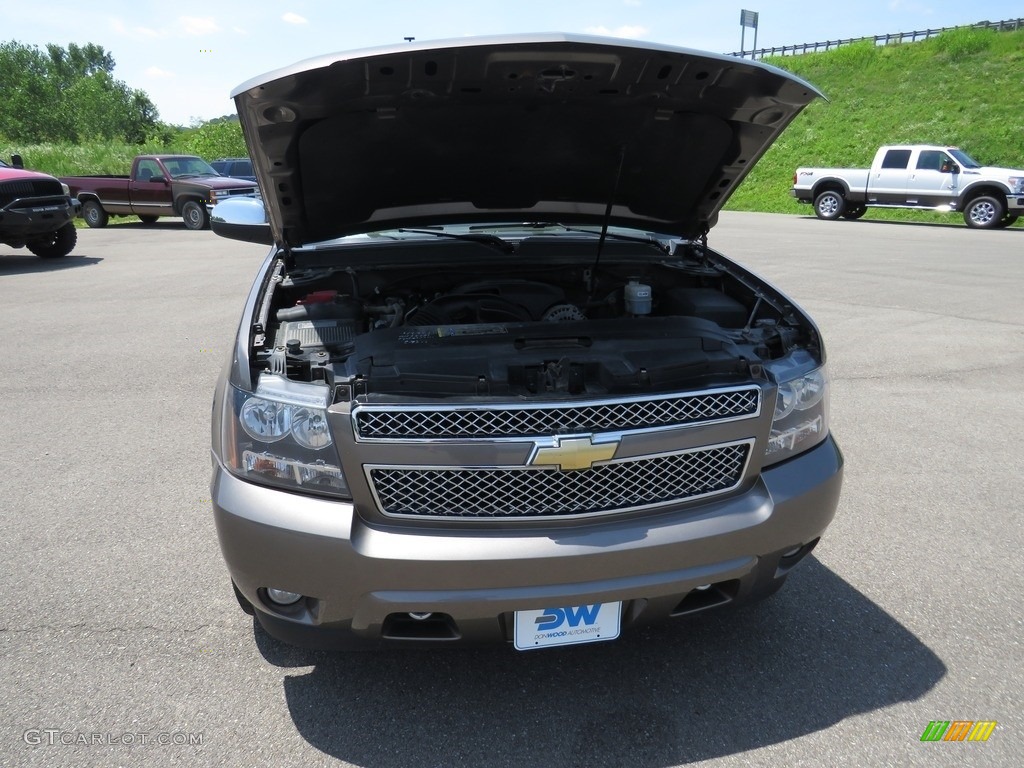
<point>559,330</point>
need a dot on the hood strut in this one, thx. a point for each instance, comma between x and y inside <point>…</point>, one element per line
<point>608,214</point>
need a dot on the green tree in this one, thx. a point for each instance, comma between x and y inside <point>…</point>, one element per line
<point>217,138</point>
<point>69,95</point>
<point>67,66</point>
<point>23,87</point>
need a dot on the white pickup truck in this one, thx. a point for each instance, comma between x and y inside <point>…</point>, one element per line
<point>918,176</point>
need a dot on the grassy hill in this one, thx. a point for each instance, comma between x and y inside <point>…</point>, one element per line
<point>961,88</point>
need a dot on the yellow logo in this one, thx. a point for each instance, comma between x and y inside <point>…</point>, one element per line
<point>573,453</point>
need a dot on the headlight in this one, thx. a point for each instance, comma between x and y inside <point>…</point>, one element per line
<point>66,189</point>
<point>265,420</point>
<point>280,434</point>
<point>1017,185</point>
<point>801,416</point>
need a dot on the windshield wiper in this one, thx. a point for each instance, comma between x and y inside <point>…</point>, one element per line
<point>628,238</point>
<point>482,238</point>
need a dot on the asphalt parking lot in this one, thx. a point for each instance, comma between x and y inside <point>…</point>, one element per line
<point>121,643</point>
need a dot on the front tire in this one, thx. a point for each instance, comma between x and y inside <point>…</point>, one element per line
<point>1007,221</point>
<point>829,205</point>
<point>94,214</point>
<point>56,244</point>
<point>985,212</point>
<point>195,215</point>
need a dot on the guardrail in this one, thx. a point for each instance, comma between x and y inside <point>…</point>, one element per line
<point>899,37</point>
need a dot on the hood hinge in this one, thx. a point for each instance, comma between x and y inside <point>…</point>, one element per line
<point>288,258</point>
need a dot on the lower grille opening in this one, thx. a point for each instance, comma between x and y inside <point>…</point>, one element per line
<point>402,626</point>
<point>711,596</point>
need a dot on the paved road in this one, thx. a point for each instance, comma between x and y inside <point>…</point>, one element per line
<point>118,623</point>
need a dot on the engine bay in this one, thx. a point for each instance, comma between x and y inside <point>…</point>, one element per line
<point>558,327</point>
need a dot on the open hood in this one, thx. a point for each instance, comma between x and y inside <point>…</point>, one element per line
<point>551,127</point>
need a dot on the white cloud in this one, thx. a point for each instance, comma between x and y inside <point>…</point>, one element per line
<point>294,18</point>
<point>627,30</point>
<point>156,72</point>
<point>122,29</point>
<point>196,25</point>
<point>239,31</point>
<point>909,6</point>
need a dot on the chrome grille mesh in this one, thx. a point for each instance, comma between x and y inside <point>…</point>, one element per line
<point>527,492</point>
<point>608,416</point>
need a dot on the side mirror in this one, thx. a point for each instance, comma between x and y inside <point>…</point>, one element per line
<point>242,218</point>
<point>158,179</point>
<point>17,162</point>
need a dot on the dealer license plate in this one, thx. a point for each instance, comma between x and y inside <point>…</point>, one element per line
<point>567,625</point>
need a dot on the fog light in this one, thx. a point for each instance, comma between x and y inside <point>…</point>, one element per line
<point>283,597</point>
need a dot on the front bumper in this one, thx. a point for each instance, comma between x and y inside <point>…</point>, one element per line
<point>229,194</point>
<point>29,217</point>
<point>361,582</point>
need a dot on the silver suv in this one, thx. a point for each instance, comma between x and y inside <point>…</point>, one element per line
<point>491,382</point>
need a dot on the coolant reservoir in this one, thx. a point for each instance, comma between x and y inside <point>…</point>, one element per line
<point>638,298</point>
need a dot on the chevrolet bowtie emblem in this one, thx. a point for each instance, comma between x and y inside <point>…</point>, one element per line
<point>573,453</point>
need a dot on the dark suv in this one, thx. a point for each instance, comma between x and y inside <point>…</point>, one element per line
<point>36,211</point>
<point>235,167</point>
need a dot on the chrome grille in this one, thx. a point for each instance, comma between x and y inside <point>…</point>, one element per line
<point>391,423</point>
<point>237,191</point>
<point>534,492</point>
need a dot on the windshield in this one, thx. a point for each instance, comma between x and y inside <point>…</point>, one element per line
<point>964,159</point>
<point>181,167</point>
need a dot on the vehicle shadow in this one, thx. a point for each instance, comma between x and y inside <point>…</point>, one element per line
<point>813,655</point>
<point>26,263</point>
<point>957,224</point>
<point>162,223</point>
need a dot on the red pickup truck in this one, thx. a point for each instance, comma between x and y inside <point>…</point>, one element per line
<point>159,185</point>
<point>36,212</point>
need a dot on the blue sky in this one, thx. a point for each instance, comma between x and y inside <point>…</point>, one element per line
<point>189,56</point>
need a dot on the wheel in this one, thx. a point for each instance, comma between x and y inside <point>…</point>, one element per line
<point>94,214</point>
<point>855,212</point>
<point>1007,221</point>
<point>985,212</point>
<point>148,219</point>
<point>195,215</point>
<point>56,244</point>
<point>829,205</point>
